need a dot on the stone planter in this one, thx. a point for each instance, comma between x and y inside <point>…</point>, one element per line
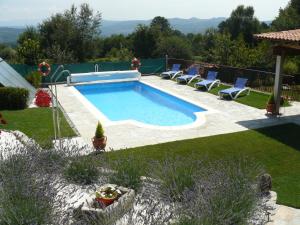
<point>112,212</point>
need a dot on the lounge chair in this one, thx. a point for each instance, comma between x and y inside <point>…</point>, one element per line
<point>190,76</point>
<point>209,82</point>
<point>238,88</point>
<point>173,72</point>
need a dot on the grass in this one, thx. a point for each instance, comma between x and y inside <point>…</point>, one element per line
<point>36,123</point>
<point>276,148</point>
<point>254,99</point>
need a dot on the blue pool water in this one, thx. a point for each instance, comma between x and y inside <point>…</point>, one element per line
<point>140,102</point>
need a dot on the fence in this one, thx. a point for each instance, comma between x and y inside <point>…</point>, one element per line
<point>257,79</point>
<point>149,66</point>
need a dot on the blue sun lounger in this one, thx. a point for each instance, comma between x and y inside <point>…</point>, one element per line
<point>210,81</point>
<point>190,76</point>
<point>238,88</point>
<point>175,71</point>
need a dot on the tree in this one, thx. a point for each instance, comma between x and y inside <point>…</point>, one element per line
<point>74,32</point>
<point>144,42</point>
<point>7,53</point>
<point>116,42</point>
<point>161,24</point>
<point>222,50</point>
<point>29,51</point>
<point>174,47</point>
<point>29,33</point>
<point>202,44</point>
<point>289,17</point>
<point>241,21</point>
<point>122,54</point>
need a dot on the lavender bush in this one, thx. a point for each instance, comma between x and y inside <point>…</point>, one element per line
<point>33,188</point>
<point>225,193</point>
<point>23,195</point>
<point>126,173</point>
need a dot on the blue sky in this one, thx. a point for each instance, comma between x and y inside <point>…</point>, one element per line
<point>30,11</point>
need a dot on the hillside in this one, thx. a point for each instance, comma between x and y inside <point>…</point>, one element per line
<point>193,25</point>
<point>9,34</point>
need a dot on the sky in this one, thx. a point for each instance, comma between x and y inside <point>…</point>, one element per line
<point>20,12</point>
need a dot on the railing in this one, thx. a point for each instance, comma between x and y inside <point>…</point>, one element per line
<point>55,103</point>
<point>96,68</point>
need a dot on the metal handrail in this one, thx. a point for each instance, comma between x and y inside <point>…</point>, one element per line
<point>52,98</point>
<point>55,112</point>
<point>56,71</point>
<point>96,68</point>
<point>56,98</point>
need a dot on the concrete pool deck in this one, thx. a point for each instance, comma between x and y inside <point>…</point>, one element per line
<point>222,117</point>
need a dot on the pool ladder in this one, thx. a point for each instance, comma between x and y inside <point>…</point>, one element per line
<point>96,68</point>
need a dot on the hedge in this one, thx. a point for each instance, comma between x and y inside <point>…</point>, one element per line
<point>12,98</point>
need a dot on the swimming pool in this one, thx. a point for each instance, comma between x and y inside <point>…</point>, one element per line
<point>140,102</point>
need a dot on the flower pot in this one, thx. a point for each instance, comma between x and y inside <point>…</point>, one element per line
<point>107,195</point>
<point>106,201</point>
<point>99,143</point>
<point>271,108</point>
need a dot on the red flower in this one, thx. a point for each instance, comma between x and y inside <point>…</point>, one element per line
<point>42,98</point>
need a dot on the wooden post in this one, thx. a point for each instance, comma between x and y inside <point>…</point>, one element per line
<point>278,81</point>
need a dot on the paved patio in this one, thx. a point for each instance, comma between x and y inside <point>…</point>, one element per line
<point>285,216</point>
<point>225,117</point>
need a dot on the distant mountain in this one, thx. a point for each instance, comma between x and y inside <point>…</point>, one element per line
<point>10,33</point>
<point>193,25</point>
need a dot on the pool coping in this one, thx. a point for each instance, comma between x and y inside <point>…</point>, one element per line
<point>200,116</point>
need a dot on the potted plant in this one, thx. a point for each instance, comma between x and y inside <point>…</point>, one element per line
<point>99,141</point>
<point>107,195</point>
<point>271,105</point>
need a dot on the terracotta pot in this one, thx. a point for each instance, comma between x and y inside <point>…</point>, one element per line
<point>106,201</point>
<point>271,108</point>
<point>99,143</point>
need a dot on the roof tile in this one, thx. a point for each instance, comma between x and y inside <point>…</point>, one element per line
<point>289,35</point>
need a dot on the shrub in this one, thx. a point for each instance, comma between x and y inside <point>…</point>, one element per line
<point>225,193</point>
<point>290,67</point>
<point>271,99</point>
<point>34,78</point>
<point>81,171</point>
<point>176,176</point>
<point>122,54</point>
<point>42,98</point>
<point>13,98</point>
<point>127,173</point>
<point>99,131</point>
<point>23,199</point>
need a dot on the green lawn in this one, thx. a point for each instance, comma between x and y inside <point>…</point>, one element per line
<point>276,148</point>
<point>254,99</point>
<point>36,123</point>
